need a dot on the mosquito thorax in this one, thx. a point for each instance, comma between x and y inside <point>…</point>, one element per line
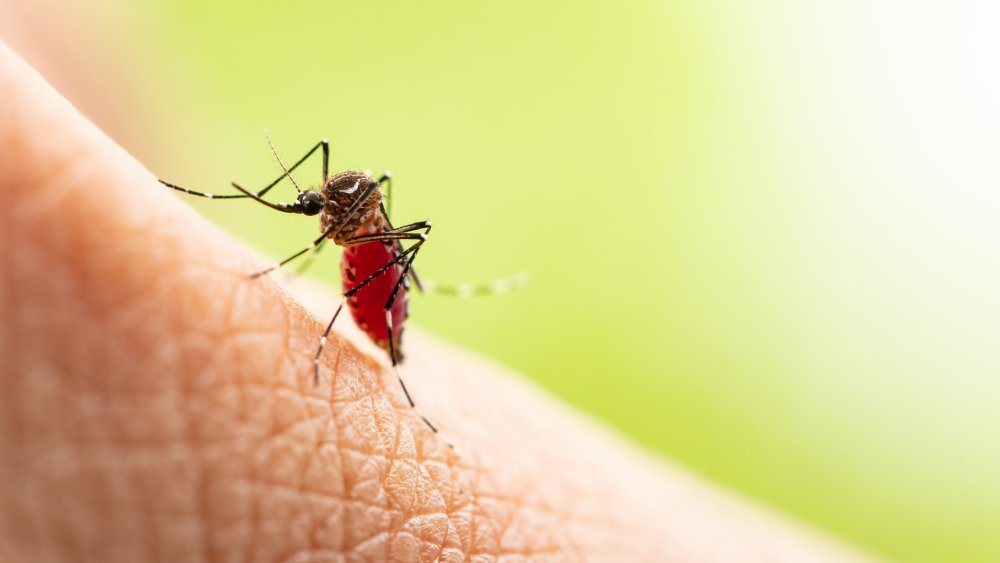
<point>340,192</point>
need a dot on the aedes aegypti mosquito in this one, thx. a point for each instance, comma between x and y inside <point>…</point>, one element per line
<point>376,269</point>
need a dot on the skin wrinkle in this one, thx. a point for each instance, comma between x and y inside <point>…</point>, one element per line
<point>306,467</point>
<point>438,479</point>
<point>287,431</point>
<point>276,438</point>
<point>320,441</point>
<point>389,533</point>
<point>412,509</point>
<point>338,440</point>
<point>391,458</point>
<point>204,477</point>
<point>254,516</point>
<point>201,482</point>
<point>72,537</point>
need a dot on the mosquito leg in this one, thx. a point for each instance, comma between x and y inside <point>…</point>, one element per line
<point>310,259</point>
<point>386,179</point>
<point>385,214</point>
<point>411,227</point>
<point>283,207</point>
<point>399,378</point>
<point>280,206</point>
<point>388,312</point>
<point>202,194</point>
<point>326,157</point>
<point>392,344</point>
<point>463,290</point>
<point>312,245</point>
<point>400,233</point>
<point>322,342</point>
<point>416,279</point>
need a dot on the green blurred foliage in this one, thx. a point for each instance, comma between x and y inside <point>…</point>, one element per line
<point>746,245</point>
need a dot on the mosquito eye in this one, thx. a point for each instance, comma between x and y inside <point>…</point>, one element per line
<point>311,202</point>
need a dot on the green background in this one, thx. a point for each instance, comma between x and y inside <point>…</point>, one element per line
<point>762,239</point>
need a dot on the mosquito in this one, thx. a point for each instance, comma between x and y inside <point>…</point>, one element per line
<point>377,264</point>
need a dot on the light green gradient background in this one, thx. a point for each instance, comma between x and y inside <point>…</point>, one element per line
<point>761,240</point>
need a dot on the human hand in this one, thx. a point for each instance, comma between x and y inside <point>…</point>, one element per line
<point>158,405</point>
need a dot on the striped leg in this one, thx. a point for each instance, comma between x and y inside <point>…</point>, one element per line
<point>324,144</point>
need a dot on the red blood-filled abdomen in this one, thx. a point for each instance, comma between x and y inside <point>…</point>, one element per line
<point>368,304</point>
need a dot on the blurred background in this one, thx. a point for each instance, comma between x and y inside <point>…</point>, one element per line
<point>763,239</point>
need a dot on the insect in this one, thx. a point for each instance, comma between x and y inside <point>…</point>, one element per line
<point>377,265</point>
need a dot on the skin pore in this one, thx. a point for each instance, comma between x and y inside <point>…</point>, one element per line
<point>158,405</point>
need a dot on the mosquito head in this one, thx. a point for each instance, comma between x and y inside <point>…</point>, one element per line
<point>309,202</point>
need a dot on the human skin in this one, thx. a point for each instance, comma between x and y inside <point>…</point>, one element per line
<point>156,404</point>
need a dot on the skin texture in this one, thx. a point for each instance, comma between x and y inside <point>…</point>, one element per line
<point>155,404</point>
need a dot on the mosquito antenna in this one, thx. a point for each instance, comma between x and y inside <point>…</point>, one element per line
<point>278,158</point>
